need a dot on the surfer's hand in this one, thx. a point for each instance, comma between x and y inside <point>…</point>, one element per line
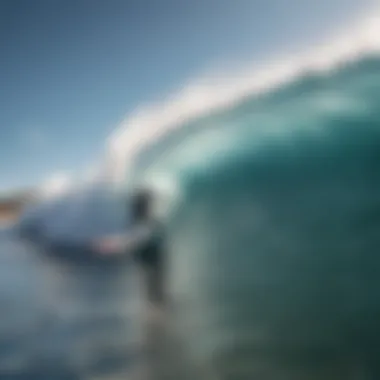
<point>109,245</point>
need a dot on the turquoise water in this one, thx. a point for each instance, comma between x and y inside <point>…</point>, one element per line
<point>273,222</point>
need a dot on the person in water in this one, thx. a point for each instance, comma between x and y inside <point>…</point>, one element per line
<point>147,247</point>
<point>143,243</point>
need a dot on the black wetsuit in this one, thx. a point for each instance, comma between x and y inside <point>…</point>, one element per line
<point>150,256</point>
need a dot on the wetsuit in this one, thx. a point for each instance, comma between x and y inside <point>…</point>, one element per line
<point>148,253</point>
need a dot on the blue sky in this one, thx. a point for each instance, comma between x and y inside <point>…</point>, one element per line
<point>71,70</point>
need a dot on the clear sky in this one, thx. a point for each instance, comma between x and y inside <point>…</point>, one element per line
<point>71,70</point>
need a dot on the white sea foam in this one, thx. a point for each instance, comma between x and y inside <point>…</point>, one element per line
<point>56,185</point>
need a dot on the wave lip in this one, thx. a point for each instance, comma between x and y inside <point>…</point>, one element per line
<point>149,124</point>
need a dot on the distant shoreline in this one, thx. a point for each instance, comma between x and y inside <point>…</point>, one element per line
<point>12,206</point>
<point>8,217</point>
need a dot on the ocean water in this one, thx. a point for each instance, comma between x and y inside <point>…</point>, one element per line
<point>272,211</point>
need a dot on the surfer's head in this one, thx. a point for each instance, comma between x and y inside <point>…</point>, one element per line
<point>141,205</point>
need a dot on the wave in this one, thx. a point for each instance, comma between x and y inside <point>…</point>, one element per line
<point>315,115</point>
<point>272,251</point>
<point>272,248</point>
<point>206,97</point>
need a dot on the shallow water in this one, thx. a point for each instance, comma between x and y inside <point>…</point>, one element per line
<point>61,317</point>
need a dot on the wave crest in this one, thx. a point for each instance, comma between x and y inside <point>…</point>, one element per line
<point>149,124</point>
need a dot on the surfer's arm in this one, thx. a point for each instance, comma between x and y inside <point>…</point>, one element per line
<point>138,236</point>
<point>128,242</point>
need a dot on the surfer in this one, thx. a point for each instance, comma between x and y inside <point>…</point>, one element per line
<point>147,245</point>
<point>143,243</point>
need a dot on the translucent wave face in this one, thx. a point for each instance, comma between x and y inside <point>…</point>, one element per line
<point>272,244</point>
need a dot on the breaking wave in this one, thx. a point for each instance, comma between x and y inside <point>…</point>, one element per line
<point>153,129</point>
